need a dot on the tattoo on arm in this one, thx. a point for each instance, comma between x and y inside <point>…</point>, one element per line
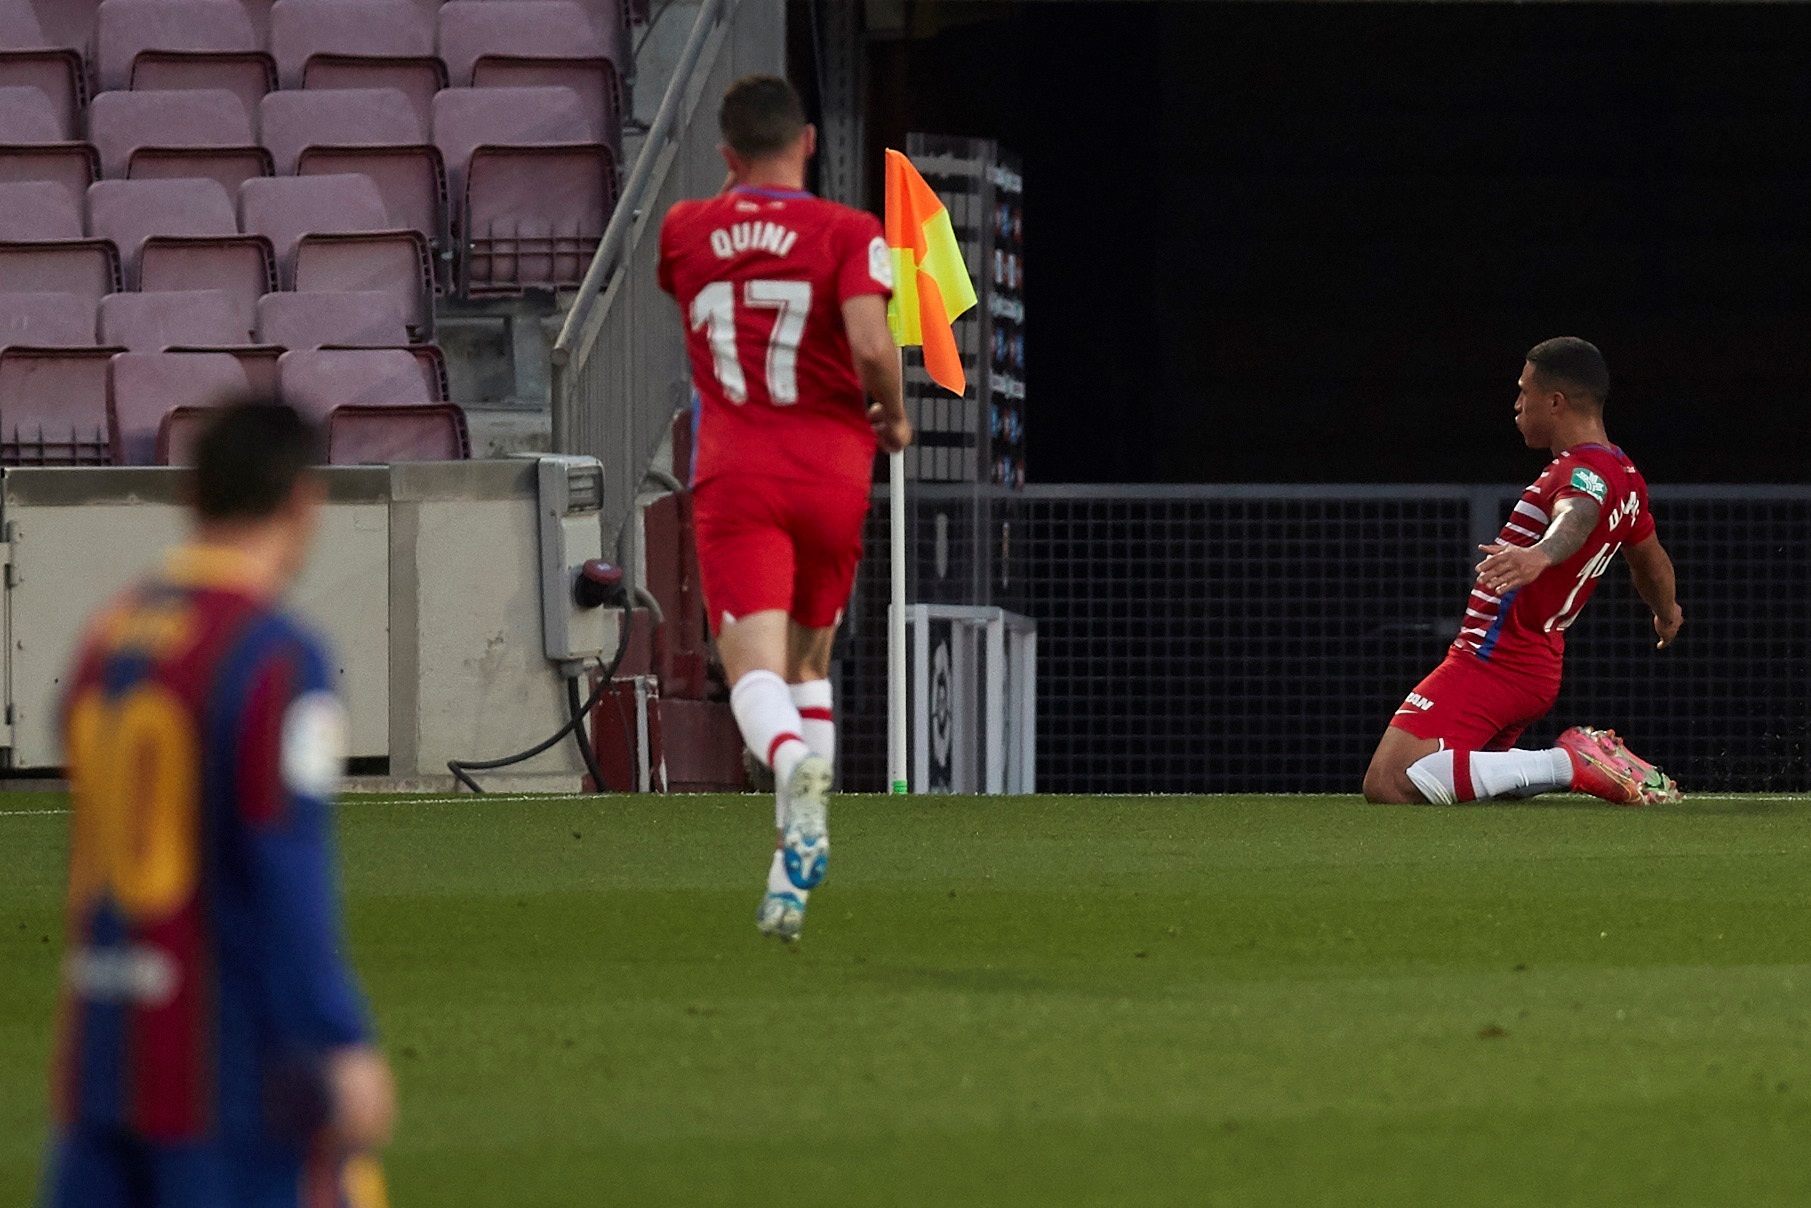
<point>1573,520</point>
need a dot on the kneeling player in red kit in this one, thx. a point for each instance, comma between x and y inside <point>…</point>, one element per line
<point>784,297</point>
<point>1453,739</point>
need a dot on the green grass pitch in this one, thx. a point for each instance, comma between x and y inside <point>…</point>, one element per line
<point>1189,1001</point>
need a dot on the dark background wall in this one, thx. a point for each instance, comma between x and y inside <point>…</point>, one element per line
<point>1310,242</point>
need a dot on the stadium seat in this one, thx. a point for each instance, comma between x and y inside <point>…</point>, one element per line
<point>611,19</point>
<point>147,386</point>
<point>181,44</point>
<point>317,381</point>
<point>333,233</point>
<point>177,434</point>
<point>32,56</point>
<point>535,43</point>
<point>353,319</point>
<point>19,24</point>
<point>374,132</point>
<point>358,44</point>
<point>35,146</point>
<point>43,248</point>
<point>180,235</point>
<point>163,135</point>
<point>259,13</point>
<point>45,321</point>
<point>155,321</point>
<point>532,187</point>
<point>53,406</point>
<point>65,23</point>
<point>385,434</point>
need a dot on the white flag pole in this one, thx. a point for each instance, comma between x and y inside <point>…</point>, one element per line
<point>896,628</point>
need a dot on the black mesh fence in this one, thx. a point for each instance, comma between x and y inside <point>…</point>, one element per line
<point>1257,639</point>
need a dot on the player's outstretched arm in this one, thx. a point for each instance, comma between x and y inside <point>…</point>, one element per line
<point>876,360</point>
<point>1508,567</point>
<point>1652,571</point>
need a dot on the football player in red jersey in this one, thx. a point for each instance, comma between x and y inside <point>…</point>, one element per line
<point>784,299</point>
<point>1453,739</point>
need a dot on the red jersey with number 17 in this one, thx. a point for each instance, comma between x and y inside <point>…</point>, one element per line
<point>1526,629</point>
<point>760,276</point>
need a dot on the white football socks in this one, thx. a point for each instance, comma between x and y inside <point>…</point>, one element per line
<point>1446,777</point>
<point>769,722</point>
<point>817,720</point>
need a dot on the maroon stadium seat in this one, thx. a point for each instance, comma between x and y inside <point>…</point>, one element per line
<point>146,386</point>
<point>259,13</point>
<point>317,381</point>
<point>38,209</point>
<point>177,434</point>
<point>181,235</point>
<point>613,17</point>
<point>19,25</point>
<point>533,188</point>
<point>53,406</point>
<point>534,43</point>
<point>32,56</point>
<point>374,132</point>
<point>65,23</point>
<point>43,249</point>
<point>358,44</point>
<point>295,120</point>
<point>33,145</point>
<point>45,321</point>
<point>153,322</point>
<point>347,320</point>
<point>354,319</point>
<point>385,434</point>
<point>163,135</point>
<point>181,44</point>
<point>333,233</point>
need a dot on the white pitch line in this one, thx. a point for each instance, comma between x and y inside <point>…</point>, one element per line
<point>461,799</point>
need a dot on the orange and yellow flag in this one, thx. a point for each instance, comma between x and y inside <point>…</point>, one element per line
<point>930,281</point>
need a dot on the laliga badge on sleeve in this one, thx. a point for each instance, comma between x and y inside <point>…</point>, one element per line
<point>314,745</point>
<point>1590,483</point>
<point>880,261</point>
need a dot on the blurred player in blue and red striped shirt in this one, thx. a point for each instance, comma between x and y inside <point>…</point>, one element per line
<point>213,1048</point>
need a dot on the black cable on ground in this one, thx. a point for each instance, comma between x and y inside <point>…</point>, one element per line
<point>579,735</point>
<point>460,768</point>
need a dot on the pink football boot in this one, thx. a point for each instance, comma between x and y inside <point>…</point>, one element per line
<point>1603,767</point>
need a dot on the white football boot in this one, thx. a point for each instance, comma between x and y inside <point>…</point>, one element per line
<point>805,835</point>
<point>781,916</point>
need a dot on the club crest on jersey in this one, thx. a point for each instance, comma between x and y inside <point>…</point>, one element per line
<point>1590,483</point>
<point>740,237</point>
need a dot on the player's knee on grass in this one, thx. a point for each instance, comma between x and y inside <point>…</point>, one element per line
<point>1390,786</point>
<point>1387,780</point>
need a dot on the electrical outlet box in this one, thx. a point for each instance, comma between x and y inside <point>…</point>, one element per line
<point>571,491</point>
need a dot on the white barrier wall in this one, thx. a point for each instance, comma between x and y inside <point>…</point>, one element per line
<point>423,581</point>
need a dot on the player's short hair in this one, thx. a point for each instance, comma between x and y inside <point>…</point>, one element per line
<point>1570,361</point>
<point>249,459</point>
<point>761,115</point>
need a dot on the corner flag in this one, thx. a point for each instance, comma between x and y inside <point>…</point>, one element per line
<point>930,281</point>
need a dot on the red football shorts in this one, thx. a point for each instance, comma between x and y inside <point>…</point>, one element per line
<point>1471,705</point>
<point>766,543</point>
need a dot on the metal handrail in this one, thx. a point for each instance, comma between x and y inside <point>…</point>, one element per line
<point>629,205</point>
